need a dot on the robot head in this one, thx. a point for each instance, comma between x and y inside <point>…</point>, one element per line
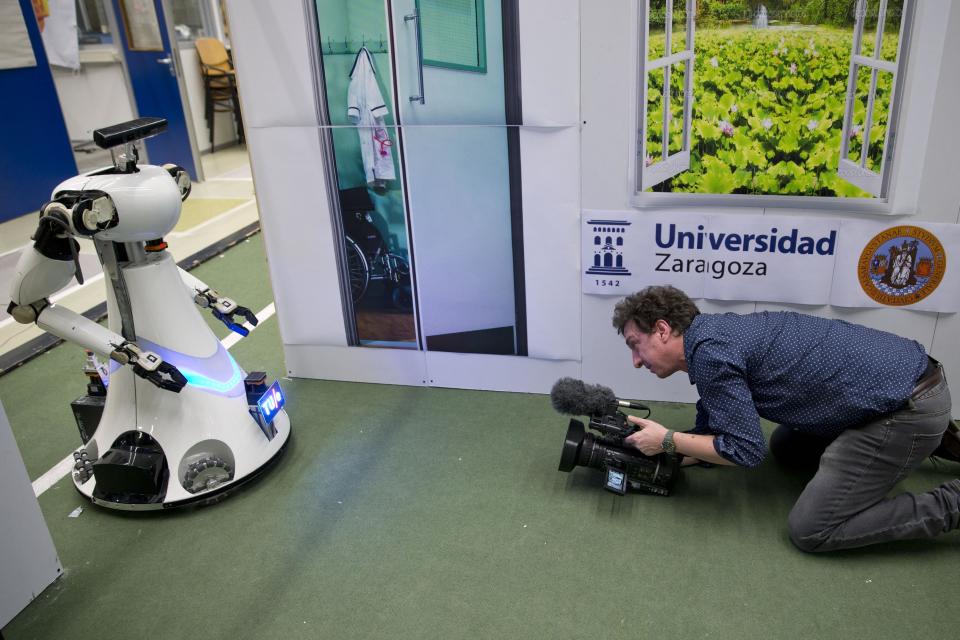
<point>126,203</point>
<point>139,206</point>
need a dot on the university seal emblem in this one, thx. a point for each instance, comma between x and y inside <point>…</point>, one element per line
<point>901,265</point>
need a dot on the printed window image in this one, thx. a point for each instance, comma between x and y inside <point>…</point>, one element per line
<point>772,97</point>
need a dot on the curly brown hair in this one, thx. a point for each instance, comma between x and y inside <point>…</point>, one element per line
<point>655,303</point>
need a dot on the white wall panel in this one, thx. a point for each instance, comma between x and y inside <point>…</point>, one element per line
<point>550,62</point>
<point>497,373</point>
<point>946,349</point>
<point>359,364</point>
<point>28,559</point>
<point>920,89</point>
<point>606,50</point>
<point>419,368</point>
<point>551,241</point>
<point>272,56</point>
<point>288,174</point>
<point>940,189</point>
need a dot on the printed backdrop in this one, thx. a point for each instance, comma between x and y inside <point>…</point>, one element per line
<point>847,263</point>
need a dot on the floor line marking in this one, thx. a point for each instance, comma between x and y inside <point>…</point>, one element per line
<point>57,297</point>
<point>4,254</point>
<point>234,338</point>
<point>63,468</point>
<point>216,218</point>
<point>53,476</point>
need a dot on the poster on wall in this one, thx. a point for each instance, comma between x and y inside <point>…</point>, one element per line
<point>900,265</point>
<point>813,261</point>
<point>769,258</point>
<point>15,48</point>
<point>60,38</point>
<point>623,252</point>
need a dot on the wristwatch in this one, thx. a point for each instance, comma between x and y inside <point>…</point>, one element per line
<point>668,445</point>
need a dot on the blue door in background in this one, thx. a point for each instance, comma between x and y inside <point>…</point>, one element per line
<point>34,145</point>
<point>154,65</point>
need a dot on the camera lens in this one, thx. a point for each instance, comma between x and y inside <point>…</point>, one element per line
<point>593,453</point>
<point>581,448</point>
<point>571,445</point>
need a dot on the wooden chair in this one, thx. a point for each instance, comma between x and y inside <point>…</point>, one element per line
<point>219,83</point>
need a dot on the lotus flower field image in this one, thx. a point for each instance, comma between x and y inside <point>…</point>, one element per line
<point>781,91</point>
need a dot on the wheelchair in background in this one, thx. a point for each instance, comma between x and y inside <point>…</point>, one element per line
<point>369,259</point>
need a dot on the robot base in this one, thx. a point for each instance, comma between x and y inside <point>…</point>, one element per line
<point>154,448</point>
<point>216,492</point>
<point>169,449</point>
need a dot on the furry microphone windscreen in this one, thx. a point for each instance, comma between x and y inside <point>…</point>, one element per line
<point>573,397</point>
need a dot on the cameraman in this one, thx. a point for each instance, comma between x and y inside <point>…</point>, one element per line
<point>872,403</point>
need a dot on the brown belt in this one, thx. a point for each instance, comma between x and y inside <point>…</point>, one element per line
<point>932,376</point>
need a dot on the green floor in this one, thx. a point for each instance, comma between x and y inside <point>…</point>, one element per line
<point>433,513</point>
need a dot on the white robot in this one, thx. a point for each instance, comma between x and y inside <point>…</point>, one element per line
<point>182,422</point>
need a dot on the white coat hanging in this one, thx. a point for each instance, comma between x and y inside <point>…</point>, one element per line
<point>367,109</point>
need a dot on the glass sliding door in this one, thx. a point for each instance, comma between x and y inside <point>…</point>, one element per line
<point>446,190</point>
<point>449,60</point>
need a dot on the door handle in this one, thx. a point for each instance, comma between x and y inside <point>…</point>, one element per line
<point>416,16</point>
<point>169,62</point>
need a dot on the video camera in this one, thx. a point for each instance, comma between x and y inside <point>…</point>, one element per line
<point>624,467</point>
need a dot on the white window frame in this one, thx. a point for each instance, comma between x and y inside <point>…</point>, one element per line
<point>668,165</point>
<point>857,173</point>
<point>879,205</point>
<point>103,11</point>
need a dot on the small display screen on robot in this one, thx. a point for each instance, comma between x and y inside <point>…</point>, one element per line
<point>270,403</point>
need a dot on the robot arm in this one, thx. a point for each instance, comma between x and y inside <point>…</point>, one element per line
<point>224,309</point>
<point>54,258</point>
<point>49,265</point>
<point>75,328</point>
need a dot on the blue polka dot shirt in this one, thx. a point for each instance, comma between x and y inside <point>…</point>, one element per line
<point>817,375</point>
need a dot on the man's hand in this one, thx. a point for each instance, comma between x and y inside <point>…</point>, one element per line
<point>649,438</point>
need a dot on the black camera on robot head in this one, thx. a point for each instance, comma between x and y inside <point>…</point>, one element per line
<point>624,468</point>
<point>120,140</point>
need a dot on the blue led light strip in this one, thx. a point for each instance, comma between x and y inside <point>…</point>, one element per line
<point>203,382</point>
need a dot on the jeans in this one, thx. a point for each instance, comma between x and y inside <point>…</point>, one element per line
<point>845,504</point>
